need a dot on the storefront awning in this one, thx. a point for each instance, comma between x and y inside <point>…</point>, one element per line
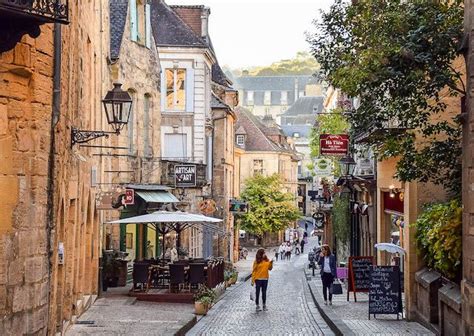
<point>157,196</point>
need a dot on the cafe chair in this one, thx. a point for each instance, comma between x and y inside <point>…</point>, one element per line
<point>197,275</point>
<point>141,276</point>
<point>177,277</point>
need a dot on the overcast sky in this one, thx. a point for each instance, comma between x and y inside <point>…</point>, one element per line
<point>258,32</point>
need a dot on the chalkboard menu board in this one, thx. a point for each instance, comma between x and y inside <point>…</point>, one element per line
<point>385,296</point>
<point>359,275</point>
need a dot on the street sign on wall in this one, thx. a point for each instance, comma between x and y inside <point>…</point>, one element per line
<point>185,175</point>
<point>129,198</point>
<point>322,167</point>
<point>333,144</point>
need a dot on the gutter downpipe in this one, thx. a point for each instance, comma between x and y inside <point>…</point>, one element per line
<point>55,113</point>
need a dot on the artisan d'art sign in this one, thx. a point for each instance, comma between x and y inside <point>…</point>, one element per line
<point>333,144</point>
<point>185,175</point>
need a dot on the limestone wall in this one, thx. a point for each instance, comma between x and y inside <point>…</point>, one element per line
<point>25,119</point>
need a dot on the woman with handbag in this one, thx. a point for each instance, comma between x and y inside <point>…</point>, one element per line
<point>260,275</point>
<point>327,263</point>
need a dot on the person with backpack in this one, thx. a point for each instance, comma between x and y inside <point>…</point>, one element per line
<point>260,275</point>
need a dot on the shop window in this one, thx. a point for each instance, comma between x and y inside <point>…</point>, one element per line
<point>129,240</point>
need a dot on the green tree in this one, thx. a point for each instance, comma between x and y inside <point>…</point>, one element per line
<point>270,208</point>
<point>398,57</point>
<point>333,123</point>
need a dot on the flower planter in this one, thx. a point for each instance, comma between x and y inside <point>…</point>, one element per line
<point>200,308</point>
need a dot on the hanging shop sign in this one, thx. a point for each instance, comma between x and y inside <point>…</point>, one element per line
<point>334,144</point>
<point>185,175</point>
<point>322,167</point>
<point>129,198</point>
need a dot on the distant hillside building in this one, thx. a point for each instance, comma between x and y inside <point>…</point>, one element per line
<point>272,95</point>
<point>297,123</point>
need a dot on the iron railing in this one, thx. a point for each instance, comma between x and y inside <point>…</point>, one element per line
<point>43,10</point>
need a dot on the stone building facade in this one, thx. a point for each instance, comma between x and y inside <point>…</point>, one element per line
<point>135,160</point>
<point>262,148</point>
<point>26,81</point>
<point>47,182</point>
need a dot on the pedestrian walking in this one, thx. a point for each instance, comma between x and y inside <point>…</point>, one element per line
<point>260,275</point>
<point>282,250</point>
<point>288,250</point>
<point>327,263</point>
<point>297,247</point>
<point>275,250</point>
<point>302,245</point>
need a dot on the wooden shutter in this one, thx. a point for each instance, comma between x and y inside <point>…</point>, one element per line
<point>133,20</point>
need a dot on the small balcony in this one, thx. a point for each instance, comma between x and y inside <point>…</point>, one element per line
<point>20,17</point>
<point>379,130</point>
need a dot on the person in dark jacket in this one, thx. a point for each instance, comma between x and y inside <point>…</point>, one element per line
<point>302,245</point>
<point>327,263</point>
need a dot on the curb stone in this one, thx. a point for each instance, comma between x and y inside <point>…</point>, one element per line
<point>336,324</point>
<point>188,326</point>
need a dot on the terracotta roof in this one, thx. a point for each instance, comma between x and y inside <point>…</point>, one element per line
<point>170,30</point>
<point>258,135</point>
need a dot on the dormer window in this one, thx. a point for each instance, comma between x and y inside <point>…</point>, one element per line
<point>240,140</point>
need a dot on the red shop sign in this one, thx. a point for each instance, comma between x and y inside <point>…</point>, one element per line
<point>129,198</point>
<point>330,144</point>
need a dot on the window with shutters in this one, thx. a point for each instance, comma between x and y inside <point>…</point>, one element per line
<point>140,23</point>
<point>249,97</point>
<point>176,89</point>
<point>258,167</point>
<point>267,98</point>
<point>175,146</point>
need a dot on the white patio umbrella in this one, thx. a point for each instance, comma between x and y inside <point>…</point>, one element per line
<point>176,221</point>
<point>167,217</point>
<point>389,247</point>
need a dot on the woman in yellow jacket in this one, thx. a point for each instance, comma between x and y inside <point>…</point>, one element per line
<point>260,276</point>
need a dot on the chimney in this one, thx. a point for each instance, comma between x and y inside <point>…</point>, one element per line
<point>206,11</point>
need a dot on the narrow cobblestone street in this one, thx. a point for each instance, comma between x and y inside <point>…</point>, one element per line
<point>291,310</point>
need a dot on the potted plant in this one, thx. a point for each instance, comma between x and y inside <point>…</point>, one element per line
<point>182,253</point>
<point>203,300</point>
<point>228,278</point>
<point>235,275</point>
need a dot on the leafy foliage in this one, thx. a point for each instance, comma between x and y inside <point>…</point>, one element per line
<point>399,58</point>
<point>439,237</point>
<point>302,64</point>
<point>205,295</point>
<point>340,217</point>
<point>334,123</point>
<point>270,208</point>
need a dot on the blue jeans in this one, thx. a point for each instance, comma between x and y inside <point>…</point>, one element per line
<point>263,284</point>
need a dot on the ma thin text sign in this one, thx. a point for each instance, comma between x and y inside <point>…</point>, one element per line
<point>185,175</point>
<point>333,144</point>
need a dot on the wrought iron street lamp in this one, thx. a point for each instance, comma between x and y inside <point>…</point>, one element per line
<point>118,106</point>
<point>347,165</point>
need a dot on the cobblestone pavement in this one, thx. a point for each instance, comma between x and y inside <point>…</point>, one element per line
<point>352,316</point>
<point>291,310</point>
